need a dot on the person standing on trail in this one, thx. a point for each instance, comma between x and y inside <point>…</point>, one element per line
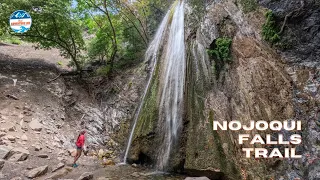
<point>80,146</point>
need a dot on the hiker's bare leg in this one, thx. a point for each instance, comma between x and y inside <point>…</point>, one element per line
<point>77,156</point>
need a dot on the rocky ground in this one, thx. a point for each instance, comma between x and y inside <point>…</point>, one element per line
<point>40,120</point>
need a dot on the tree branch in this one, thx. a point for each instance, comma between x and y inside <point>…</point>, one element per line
<point>143,29</point>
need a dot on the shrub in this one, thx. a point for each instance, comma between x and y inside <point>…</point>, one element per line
<point>269,29</point>
<point>221,53</point>
<point>248,5</point>
<point>222,49</point>
<point>103,71</point>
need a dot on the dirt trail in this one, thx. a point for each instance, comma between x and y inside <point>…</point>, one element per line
<point>26,51</point>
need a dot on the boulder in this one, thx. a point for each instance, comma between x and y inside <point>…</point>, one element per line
<point>4,151</point>
<point>35,125</point>
<point>18,157</point>
<point>57,167</point>
<point>86,176</point>
<point>39,171</point>
<point>18,154</point>
<point>196,178</point>
<point>1,163</point>
<point>58,174</point>
<point>19,150</point>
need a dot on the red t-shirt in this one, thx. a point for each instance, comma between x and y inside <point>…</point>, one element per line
<point>80,141</point>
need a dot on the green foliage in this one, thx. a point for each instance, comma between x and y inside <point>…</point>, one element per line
<point>117,32</point>
<point>103,71</point>
<point>222,49</point>
<point>99,47</point>
<point>248,5</point>
<point>6,38</point>
<point>59,63</point>
<point>53,26</point>
<point>269,29</point>
<point>221,53</point>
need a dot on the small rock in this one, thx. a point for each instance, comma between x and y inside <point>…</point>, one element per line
<point>29,168</point>
<point>20,116</point>
<point>24,138</point>
<point>35,125</point>
<point>11,138</point>
<point>108,162</point>
<point>2,134</point>
<point>68,169</point>
<point>24,127</point>
<point>134,165</point>
<point>56,139</point>
<point>69,93</point>
<point>57,167</point>
<point>5,151</point>
<point>37,148</point>
<point>135,174</point>
<point>100,153</point>
<point>28,108</point>
<point>16,178</point>
<point>196,178</point>
<point>12,96</point>
<point>37,172</point>
<point>1,163</point>
<point>43,156</point>
<point>86,176</point>
<point>103,178</point>
<point>12,128</point>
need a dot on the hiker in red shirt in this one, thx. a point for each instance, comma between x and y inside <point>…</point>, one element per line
<point>79,144</point>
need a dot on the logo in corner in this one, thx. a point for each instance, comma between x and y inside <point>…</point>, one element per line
<point>20,21</point>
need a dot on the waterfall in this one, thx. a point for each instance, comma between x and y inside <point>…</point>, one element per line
<point>172,81</point>
<point>152,56</point>
<point>173,77</point>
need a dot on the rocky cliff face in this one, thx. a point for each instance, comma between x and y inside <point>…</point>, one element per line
<point>261,83</point>
<point>301,23</point>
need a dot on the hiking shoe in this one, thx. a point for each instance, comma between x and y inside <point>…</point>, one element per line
<point>75,165</point>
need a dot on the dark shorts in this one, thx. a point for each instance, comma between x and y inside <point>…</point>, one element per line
<point>79,148</point>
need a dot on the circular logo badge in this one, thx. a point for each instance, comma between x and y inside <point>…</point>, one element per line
<point>20,21</point>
